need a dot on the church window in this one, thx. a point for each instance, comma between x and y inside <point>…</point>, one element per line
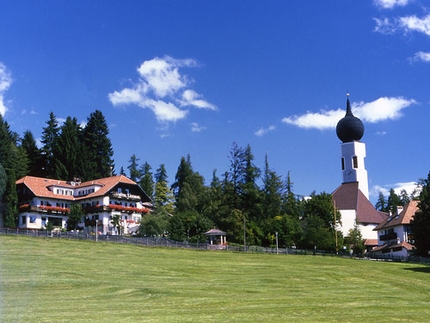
<point>343,163</point>
<point>355,162</point>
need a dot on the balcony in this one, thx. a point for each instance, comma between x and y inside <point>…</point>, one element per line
<point>128,209</point>
<point>43,208</point>
<point>388,236</point>
<point>124,196</point>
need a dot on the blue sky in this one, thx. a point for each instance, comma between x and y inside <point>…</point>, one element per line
<point>191,77</point>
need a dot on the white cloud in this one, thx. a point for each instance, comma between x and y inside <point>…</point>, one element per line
<point>385,26</point>
<point>413,23</point>
<point>5,83</point>
<point>262,131</point>
<point>163,89</point>
<point>411,188</point>
<point>319,120</point>
<point>195,127</point>
<point>166,111</point>
<point>421,56</point>
<point>191,98</point>
<point>407,24</point>
<point>390,4</point>
<point>379,110</point>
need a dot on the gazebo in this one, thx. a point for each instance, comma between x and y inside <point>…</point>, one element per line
<point>217,239</point>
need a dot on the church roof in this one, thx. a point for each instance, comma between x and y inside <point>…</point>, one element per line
<point>404,217</point>
<point>349,128</point>
<point>349,197</point>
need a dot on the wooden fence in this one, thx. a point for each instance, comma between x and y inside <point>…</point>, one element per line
<point>165,242</point>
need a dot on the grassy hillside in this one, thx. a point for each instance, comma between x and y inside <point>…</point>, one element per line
<point>49,280</point>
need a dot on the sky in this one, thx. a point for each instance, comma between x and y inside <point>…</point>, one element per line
<point>179,77</point>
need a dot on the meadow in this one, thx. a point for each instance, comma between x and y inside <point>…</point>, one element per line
<point>60,280</point>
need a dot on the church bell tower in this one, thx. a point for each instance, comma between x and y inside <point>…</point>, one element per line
<point>350,130</point>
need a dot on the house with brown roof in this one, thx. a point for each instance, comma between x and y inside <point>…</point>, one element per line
<point>43,200</point>
<point>394,234</point>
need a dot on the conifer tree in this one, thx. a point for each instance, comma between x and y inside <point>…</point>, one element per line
<point>28,143</point>
<point>133,168</point>
<point>146,180</point>
<point>49,140</point>
<point>98,147</point>
<point>69,152</point>
<point>163,196</point>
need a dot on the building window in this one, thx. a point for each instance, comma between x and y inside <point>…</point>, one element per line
<point>355,162</point>
<point>24,220</point>
<point>32,219</point>
<point>343,163</point>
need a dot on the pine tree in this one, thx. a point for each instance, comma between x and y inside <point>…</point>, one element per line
<point>272,192</point>
<point>28,143</point>
<point>381,204</point>
<point>98,147</point>
<point>10,201</point>
<point>146,180</point>
<point>69,152</point>
<point>133,168</point>
<point>163,197</point>
<point>49,140</point>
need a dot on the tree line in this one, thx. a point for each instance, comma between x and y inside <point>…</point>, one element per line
<point>253,205</point>
<point>68,151</point>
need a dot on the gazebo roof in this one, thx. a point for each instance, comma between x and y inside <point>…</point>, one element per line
<point>215,232</point>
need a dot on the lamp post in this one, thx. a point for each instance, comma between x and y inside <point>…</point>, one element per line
<point>96,230</point>
<point>244,233</point>
<point>276,242</point>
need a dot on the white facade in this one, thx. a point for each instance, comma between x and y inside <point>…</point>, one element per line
<point>353,169</point>
<point>43,201</point>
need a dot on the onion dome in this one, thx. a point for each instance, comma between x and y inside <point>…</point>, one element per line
<point>349,128</point>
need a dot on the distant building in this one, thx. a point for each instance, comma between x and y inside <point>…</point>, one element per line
<point>43,200</point>
<point>351,198</point>
<point>394,233</point>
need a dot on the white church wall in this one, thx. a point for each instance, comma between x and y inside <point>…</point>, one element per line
<point>367,231</point>
<point>348,221</point>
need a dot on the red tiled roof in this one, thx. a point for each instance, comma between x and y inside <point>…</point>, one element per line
<point>404,217</point>
<point>402,244</point>
<point>348,197</point>
<point>371,242</point>
<point>40,186</point>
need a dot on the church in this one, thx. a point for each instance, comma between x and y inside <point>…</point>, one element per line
<point>351,198</point>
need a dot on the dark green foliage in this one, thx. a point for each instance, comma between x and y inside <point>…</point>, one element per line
<point>189,226</point>
<point>49,140</point>
<point>3,181</point>
<point>381,205</point>
<point>355,241</point>
<point>74,217</point>
<point>393,202</point>
<point>97,148</point>
<point>10,201</point>
<point>69,151</point>
<point>154,225</point>
<point>133,168</point>
<point>318,223</point>
<point>34,154</point>
<point>420,224</point>
<point>163,197</point>
<point>146,180</point>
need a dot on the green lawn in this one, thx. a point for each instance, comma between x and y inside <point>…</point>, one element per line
<point>50,280</point>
